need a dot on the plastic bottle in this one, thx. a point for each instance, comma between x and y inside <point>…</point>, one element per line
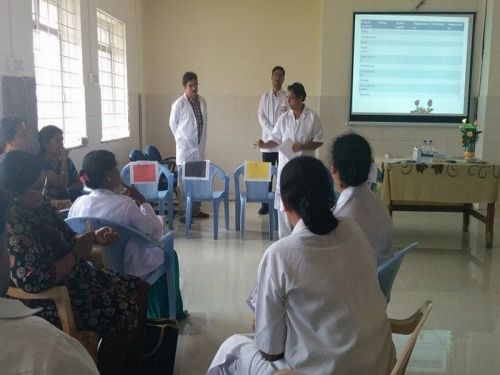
<point>430,153</point>
<point>423,154</point>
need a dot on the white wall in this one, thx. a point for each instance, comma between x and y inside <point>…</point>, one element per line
<point>16,25</point>
<point>233,45</point>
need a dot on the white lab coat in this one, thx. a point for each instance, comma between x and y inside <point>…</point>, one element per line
<point>105,204</point>
<point>185,130</point>
<point>367,209</point>
<point>31,345</point>
<point>319,303</point>
<point>271,107</point>
<point>286,132</point>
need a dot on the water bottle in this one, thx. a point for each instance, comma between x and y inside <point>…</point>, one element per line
<point>423,156</point>
<point>430,151</point>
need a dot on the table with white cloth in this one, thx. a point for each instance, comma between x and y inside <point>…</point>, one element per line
<point>444,187</point>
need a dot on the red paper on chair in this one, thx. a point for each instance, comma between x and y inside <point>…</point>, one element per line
<point>143,172</point>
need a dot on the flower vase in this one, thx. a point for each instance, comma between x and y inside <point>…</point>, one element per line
<point>470,152</point>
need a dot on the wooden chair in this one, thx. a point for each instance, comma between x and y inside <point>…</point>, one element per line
<point>60,296</point>
<point>410,326</point>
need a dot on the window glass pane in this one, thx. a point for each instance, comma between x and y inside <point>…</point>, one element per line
<point>112,76</point>
<point>58,67</point>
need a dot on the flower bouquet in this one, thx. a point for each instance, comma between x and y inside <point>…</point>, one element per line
<point>470,135</point>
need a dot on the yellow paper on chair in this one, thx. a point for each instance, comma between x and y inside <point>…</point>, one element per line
<point>257,171</point>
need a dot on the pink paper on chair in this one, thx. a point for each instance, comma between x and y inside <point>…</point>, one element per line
<point>143,173</point>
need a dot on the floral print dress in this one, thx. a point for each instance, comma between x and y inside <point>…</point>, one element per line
<point>103,301</point>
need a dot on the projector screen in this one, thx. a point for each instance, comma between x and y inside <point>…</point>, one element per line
<point>411,68</point>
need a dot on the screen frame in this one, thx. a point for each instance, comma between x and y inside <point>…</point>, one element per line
<point>413,119</point>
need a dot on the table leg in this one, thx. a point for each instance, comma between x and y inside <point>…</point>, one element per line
<point>466,219</point>
<point>490,217</point>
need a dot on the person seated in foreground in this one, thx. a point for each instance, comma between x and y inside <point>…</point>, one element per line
<point>29,344</point>
<point>13,135</point>
<point>45,252</point>
<point>63,181</point>
<point>318,308</point>
<point>351,162</point>
<point>100,173</point>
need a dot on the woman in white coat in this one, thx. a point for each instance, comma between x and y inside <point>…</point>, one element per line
<point>100,173</point>
<point>351,162</point>
<point>297,132</point>
<point>319,309</point>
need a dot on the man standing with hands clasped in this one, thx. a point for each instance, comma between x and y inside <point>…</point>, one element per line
<point>272,105</point>
<point>188,122</point>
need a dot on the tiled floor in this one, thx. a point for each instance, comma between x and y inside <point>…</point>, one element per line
<point>461,336</point>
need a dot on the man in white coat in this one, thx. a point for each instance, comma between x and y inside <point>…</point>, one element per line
<point>271,106</point>
<point>188,122</point>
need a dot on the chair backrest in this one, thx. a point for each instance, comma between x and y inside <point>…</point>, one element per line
<point>152,153</point>
<point>113,254</point>
<point>388,270</point>
<point>136,155</point>
<point>257,191</point>
<point>150,191</point>
<point>411,326</point>
<point>203,189</point>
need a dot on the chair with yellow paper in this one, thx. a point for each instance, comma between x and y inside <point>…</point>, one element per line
<point>256,176</point>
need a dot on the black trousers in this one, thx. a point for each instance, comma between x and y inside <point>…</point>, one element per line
<point>270,157</point>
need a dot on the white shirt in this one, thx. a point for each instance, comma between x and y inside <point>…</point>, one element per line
<point>105,204</point>
<point>289,130</point>
<point>271,107</point>
<point>29,345</point>
<point>185,130</point>
<point>368,210</point>
<point>319,302</point>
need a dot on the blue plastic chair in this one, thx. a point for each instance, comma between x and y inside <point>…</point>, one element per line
<point>114,254</point>
<point>203,190</point>
<point>388,270</point>
<point>151,192</point>
<point>256,191</point>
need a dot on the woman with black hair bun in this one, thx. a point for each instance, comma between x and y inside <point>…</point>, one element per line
<point>100,173</point>
<point>13,135</point>
<point>351,162</point>
<point>318,306</point>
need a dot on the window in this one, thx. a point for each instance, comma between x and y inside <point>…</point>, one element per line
<point>58,67</point>
<point>112,76</point>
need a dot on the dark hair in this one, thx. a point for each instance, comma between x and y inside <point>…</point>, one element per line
<point>188,76</point>
<point>46,134</point>
<point>298,90</point>
<point>8,129</point>
<point>277,67</point>
<point>352,157</point>
<point>4,206</point>
<point>306,187</point>
<point>19,170</point>
<point>94,167</point>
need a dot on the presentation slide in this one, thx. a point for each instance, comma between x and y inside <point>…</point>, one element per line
<point>411,64</point>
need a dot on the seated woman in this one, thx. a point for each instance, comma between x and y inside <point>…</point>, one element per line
<point>319,309</point>
<point>100,172</point>
<point>13,135</point>
<point>63,181</point>
<point>351,162</point>
<point>45,252</point>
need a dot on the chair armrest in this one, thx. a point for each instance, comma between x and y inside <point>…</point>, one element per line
<point>60,296</point>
